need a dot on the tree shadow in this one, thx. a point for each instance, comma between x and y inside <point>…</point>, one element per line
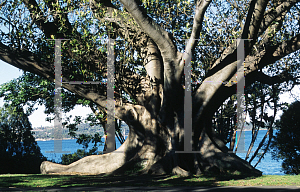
<point>132,182</point>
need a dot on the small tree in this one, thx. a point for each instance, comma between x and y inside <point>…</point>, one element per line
<point>286,143</point>
<point>19,152</point>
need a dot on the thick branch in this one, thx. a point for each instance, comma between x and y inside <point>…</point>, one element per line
<point>113,15</point>
<point>210,86</point>
<point>272,14</point>
<point>197,24</point>
<point>267,57</point>
<point>29,62</point>
<point>253,21</point>
<point>272,30</point>
<point>274,53</point>
<point>197,27</point>
<point>25,60</point>
<point>252,64</point>
<point>280,78</point>
<point>153,30</point>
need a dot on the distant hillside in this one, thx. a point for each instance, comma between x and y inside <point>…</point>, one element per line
<point>45,133</point>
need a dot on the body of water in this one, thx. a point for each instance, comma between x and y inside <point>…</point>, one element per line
<point>69,145</point>
<point>267,165</point>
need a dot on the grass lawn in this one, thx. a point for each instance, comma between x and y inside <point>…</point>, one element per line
<point>39,180</point>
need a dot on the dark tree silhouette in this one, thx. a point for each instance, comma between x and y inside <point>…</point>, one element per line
<point>286,144</point>
<point>18,148</point>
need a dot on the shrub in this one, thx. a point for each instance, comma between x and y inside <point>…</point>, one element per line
<point>286,143</point>
<point>18,148</point>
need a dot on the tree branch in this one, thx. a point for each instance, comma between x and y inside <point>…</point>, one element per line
<point>253,21</point>
<point>280,78</point>
<point>121,21</point>
<point>272,14</point>
<point>151,28</point>
<point>197,27</point>
<point>29,62</point>
<point>268,56</point>
<point>274,53</point>
<point>197,24</point>
<point>25,60</point>
<point>271,31</point>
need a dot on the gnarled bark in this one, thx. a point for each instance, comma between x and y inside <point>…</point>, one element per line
<point>157,134</point>
<point>156,156</point>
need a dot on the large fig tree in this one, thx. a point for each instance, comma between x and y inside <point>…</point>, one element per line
<point>153,40</point>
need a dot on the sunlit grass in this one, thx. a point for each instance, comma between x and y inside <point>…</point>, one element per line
<point>265,180</point>
<point>39,180</point>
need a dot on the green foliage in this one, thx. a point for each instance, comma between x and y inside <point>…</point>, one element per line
<point>18,148</point>
<point>286,143</point>
<point>29,89</point>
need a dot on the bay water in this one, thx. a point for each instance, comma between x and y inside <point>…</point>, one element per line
<point>267,165</point>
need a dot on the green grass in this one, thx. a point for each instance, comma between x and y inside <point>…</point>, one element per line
<point>39,180</point>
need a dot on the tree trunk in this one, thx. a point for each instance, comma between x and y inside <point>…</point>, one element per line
<point>156,132</point>
<point>152,146</point>
<point>232,141</point>
<point>154,151</point>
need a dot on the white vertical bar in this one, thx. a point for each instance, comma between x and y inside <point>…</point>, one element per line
<point>110,128</point>
<point>57,130</point>
<point>188,139</point>
<point>188,129</point>
<point>241,115</point>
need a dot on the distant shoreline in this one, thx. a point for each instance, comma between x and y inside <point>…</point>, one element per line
<point>261,129</point>
<point>53,139</point>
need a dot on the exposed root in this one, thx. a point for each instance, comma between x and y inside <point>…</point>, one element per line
<point>94,164</point>
<point>219,161</point>
<point>144,158</point>
<point>179,171</point>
